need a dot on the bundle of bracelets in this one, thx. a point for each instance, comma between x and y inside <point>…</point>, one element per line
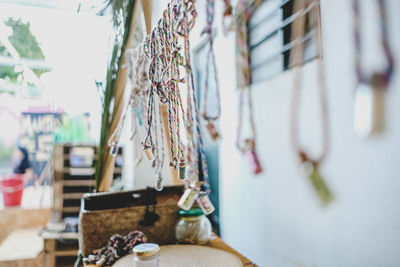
<point>117,247</point>
<point>194,148</point>
<point>155,79</point>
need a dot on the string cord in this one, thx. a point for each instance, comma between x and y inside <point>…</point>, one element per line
<point>155,81</point>
<point>244,11</point>
<point>192,116</point>
<point>298,30</point>
<point>377,79</point>
<point>210,59</point>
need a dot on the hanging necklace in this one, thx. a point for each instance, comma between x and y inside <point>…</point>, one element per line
<point>171,78</point>
<point>162,49</point>
<point>138,65</point>
<point>369,94</point>
<point>247,146</point>
<point>211,120</point>
<point>196,191</point>
<point>308,164</point>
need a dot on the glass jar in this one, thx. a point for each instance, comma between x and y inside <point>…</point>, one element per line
<point>146,255</point>
<point>193,227</point>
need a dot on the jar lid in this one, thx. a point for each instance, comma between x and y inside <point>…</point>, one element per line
<point>191,213</point>
<point>146,249</point>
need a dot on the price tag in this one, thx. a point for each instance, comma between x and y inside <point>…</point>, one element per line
<point>213,131</point>
<point>149,154</point>
<point>182,170</point>
<point>368,110</point>
<point>188,198</point>
<point>159,185</point>
<point>310,170</point>
<point>254,161</point>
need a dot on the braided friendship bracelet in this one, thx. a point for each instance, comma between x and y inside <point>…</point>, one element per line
<point>155,78</point>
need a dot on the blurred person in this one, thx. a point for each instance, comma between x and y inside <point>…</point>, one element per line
<point>22,165</point>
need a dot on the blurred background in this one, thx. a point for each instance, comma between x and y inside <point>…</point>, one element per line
<point>53,65</point>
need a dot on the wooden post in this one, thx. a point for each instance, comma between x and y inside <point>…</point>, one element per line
<point>120,85</point>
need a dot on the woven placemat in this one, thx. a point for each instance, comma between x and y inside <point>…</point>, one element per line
<point>189,255</point>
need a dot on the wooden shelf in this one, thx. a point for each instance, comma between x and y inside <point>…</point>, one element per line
<point>72,195</point>
<point>79,171</point>
<point>79,182</point>
<point>56,251</point>
<point>62,235</point>
<point>82,171</point>
<point>71,209</point>
<point>69,185</point>
<point>67,252</point>
<point>67,157</point>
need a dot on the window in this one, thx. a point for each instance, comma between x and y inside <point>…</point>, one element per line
<point>270,36</point>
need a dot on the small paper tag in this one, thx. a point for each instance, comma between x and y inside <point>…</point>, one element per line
<point>187,199</point>
<point>213,131</point>
<point>182,171</point>
<point>368,110</point>
<point>149,154</point>
<point>205,204</point>
<point>254,161</point>
<point>311,170</point>
<point>159,185</point>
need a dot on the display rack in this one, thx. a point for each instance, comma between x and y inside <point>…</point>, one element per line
<point>74,168</point>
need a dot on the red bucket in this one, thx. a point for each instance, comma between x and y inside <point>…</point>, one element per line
<point>12,189</point>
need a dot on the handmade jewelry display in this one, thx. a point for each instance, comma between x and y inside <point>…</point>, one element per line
<point>369,94</point>
<point>309,166</point>
<point>247,146</point>
<point>155,78</point>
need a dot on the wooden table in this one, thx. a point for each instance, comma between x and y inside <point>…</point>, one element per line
<point>219,244</point>
<point>22,248</point>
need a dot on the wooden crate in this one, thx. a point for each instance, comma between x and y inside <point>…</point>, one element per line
<point>71,180</point>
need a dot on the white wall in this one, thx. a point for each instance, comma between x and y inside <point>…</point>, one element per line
<point>275,219</point>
